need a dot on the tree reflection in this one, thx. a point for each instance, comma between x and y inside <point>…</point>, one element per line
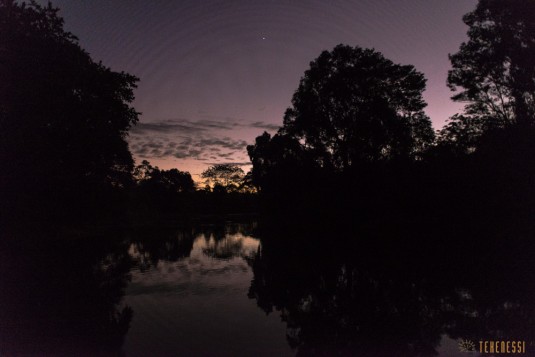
<point>226,241</point>
<point>153,243</point>
<point>159,242</point>
<point>62,295</point>
<point>224,249</point>
<point>372,297</point>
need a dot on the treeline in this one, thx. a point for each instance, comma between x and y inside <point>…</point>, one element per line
<point>161,194</point>
<point>64,119</point>
<point>64,123</point>
<point>356,143</point>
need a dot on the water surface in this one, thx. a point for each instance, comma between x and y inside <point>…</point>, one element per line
<point>197,304</point>
<point>242,289</point>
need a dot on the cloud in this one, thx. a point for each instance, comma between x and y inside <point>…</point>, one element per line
<point>226,143</point>
<point>200,147</point>
<point>167,127</point>
<point>184,126</point>
<point>188,127</point>
<point>247,163</point>
<point>264,125</point>
<point>199,140</point>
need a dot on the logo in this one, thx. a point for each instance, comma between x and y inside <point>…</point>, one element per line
<point>466,346</point>
<point>492,347</point>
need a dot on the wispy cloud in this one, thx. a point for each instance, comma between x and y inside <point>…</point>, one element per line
<point>203,140</point>
<point>199,148</point>
<point>246,163</point>
<point>185,127</point>
<point>264,125</point>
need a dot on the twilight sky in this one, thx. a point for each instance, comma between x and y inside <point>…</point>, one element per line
<point>216,74</point>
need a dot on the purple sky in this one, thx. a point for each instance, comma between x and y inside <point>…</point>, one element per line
<point>215,74</point>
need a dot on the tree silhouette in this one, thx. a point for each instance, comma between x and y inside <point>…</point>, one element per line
<point>276,157</point>
<point>462,134</point>
<point>496,67</point>
<point>396,292</point>
<point>178,181</point>
<point>64,118</point>
<point>159,192</point>
<point>353,105</point>
<point>224,176</point>
<point>144,172</point>
<point>173,180</point>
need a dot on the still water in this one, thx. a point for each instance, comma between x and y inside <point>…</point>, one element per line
<point>232,289</point>
<point>197,304</point>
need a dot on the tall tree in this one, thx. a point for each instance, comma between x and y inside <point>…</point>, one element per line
<point>173,180</point>
<point>178,181</point>
<point>228,176</point>
<point>64,118</point>
<point>496,67</point>
<point>354,105</point>
<point>280,155</point>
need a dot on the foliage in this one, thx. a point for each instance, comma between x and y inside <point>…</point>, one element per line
<point>353,105</point>
<point>64,118</point>
<point>224,177</point>
<point>276,156</point>
<point>172,180</point>
<point>158,193</point>
<point>463,134</point>
<point>496,67</point>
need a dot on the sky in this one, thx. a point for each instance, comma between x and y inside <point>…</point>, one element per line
<point>216,74</point>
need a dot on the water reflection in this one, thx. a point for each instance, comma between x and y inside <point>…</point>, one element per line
<point>196,303</point>
<point>223,289</point>
<point>383,297</point>
<point>192,260</point>
<point>152,244</point>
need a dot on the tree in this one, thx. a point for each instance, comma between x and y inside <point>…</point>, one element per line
<point>247,185</point>
<point>145,172</point>
<point>496,67</point>
<point>353,105</point>
<point>462,134</point>
<point>178,181</point>
<point>64,118</point>
<point>276,157</point>
<point>172,180</point>
<point>227,176</point>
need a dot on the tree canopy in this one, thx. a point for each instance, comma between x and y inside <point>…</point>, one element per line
<point>353,105</point>
<point>495,69</point>
<point>229,177</point>
<point>64,118</point>
<point>277,156</point>
<point>173,180</point>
